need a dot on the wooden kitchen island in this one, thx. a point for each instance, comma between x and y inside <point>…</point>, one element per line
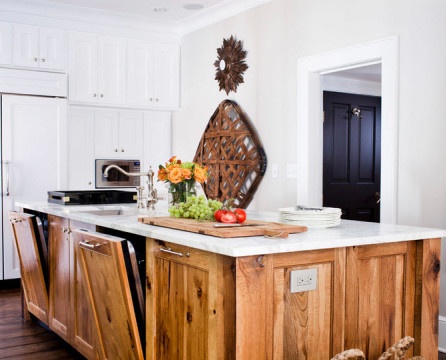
<point>232,299</point>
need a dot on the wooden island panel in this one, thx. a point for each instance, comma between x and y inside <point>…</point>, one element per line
<point>69,312</point>
<point>380,297</point>
<point>59,265</point>
<point>367,297</point>
<point>427,294</point>
<point>190,310</point>
<point>305,325</point>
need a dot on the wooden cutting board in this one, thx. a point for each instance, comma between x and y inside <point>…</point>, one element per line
<point>255,228</point>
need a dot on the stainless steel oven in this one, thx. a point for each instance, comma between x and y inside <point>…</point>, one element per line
<point>117,179</point>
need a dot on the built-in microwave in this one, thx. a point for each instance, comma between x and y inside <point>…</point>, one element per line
<point>115,177</point>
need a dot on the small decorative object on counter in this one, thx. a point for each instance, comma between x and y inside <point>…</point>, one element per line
<point>181,178</point>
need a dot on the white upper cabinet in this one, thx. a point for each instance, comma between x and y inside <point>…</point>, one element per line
<point>5,43</point>
<point>153,75</point>
<point>140,73</point>
<point>97,68</point>
<point>118,134</point>
<point>167,75</point>
<point>39,47</point>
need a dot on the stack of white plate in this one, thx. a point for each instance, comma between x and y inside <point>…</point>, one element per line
<point>311,217</point>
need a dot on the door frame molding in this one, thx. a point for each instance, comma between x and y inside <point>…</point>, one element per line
<point>310,124</point>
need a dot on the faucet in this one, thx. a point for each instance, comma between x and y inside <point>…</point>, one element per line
<point>152,198</point>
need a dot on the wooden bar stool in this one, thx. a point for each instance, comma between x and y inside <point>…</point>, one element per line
<point>32,256</point>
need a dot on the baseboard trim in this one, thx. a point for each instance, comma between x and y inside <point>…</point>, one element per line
<point>442,333</point>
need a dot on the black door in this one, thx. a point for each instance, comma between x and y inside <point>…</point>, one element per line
<point>352,155</point>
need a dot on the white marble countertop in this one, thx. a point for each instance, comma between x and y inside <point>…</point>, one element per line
<point>349,233</point>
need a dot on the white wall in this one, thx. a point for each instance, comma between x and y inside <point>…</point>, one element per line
<point>276,35</point>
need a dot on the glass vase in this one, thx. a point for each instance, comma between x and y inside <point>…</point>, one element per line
<point>180,192</point>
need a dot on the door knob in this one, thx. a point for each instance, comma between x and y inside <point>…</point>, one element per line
<point>378,197</point>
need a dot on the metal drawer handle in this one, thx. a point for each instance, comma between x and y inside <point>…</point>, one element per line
<point>170,251</point>
<point>88,245</point>
<point>15,220</point>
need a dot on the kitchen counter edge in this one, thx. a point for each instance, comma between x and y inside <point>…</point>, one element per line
<point>349,233</point>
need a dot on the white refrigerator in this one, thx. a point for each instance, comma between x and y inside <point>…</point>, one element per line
<point>34,160</point>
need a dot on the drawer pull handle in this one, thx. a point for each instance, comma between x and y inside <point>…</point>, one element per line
<point>15,220</point>
<point>170,251</point>
<point>88,245</point>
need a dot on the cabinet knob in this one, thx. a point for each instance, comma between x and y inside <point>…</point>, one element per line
<point>151,99</point>
<point>89,183</point>
<point>116,150</point>
<point>42,59</point>
<point>94,95</point>
<point>122,150</point>
<point>156,99</point>
<point>101,95</point>
<point>35,59</point>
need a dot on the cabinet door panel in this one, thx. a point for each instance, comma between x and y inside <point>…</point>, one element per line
<point>81,148</point>
<point>52,49</point>
<point>32,264</point>
<point>82,322</point>
<point>5,43</point>
<point>83,65</point>
<point>140,73</point>
<point>111,70</point>
<point>157,141</point>
<point>59,294</point>
<point>131,126</point>
<point>379,297</point>
<point>302,321</point>
<point>182,310</point>
<point>24,144</point>
<point>167,75</point>
<point>26,45</point>
<point>106,125</point>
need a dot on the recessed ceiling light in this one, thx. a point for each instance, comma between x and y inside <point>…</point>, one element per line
<point>193,6</point>
<point>159,10</point>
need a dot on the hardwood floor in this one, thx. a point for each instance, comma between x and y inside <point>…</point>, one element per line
<point>27,340</point>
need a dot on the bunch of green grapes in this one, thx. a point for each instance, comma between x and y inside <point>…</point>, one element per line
<point>196,207</point>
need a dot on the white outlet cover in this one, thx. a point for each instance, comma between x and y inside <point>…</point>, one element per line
<point>303,280</point>
<point>291,171</point>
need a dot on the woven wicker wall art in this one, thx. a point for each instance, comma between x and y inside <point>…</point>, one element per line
<point>230,64</point>
<point>231,149</point>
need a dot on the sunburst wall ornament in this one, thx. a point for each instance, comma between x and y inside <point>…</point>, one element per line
<point>230,64</point>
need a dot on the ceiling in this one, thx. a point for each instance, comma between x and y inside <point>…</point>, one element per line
<point>159,10</point>
<point>370,73</point>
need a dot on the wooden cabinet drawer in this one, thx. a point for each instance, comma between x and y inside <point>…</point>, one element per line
<point>182,254</point>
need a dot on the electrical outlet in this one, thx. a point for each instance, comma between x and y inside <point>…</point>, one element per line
<point>291,171</point>
<point>303,280</point>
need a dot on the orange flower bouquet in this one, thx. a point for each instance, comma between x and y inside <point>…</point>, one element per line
<point>181,177</point>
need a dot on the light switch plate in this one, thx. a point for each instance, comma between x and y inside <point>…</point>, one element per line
<point>275,171</point>
<point>303,280</point>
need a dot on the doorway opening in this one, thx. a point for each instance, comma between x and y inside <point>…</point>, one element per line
<point>310,126</point>
<point>352,155</point>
